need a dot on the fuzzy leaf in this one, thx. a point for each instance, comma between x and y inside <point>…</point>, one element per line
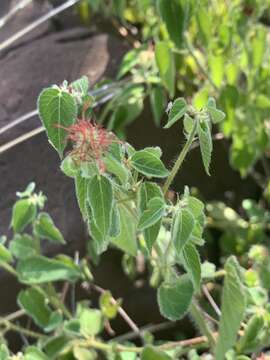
<point>158,103</point>
<point>206,144</point>
<point>40,269</point>
<point>152,214</point>
<point>192,264</point>
<point>44,228</point>
<point>100,198</point>
<point>148,163</point>
<point>149,190</point>
<point>178,110</point>
<point>232,309</point>
<point>183,225</point>
<point>126,240</point>
<point>174,298</point>
<point>81,85</point>
<point>81,185</point>
<point>23,213</point>
<point>22,246</point>
<point>57,109</point>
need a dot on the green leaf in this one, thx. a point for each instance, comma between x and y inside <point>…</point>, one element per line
<point>232,309</point>
<point>129,61</point>
<point>188,123</point>
<point>250,340</point>
<point>158,103</point>
<point>81,85</point>
<point>33,353</point>
<point>4,353</point>
<point>57,109</point>
<point>22,246</point>
<point>216,64</point>
<point>183,225</point>
<point>115,167</point>
<point>39,269</point>
<point>174,298</point>
<point>166,66</point>
<point>216,115</point>
<point>148,191</point>
<point>69,167</point>
<point>178,110</point>
<point>192,264</point>
<point>195,206</point>
<point>148,164</point>
<point>153,213</point>
<point>206,144</point>
<point>44,228</point>
<point>35,305</point>
<point>100,198</point>
<point>28,191</point>
<point>23,213</point>
<point>150,353</point>
<point>91,322</point>
<point>108,307</point>
<point>173,16</point>
<point>126,240</point>
<point>5,254</point>
<point>81,186</point>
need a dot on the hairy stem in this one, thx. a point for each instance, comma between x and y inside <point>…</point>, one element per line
<point>202,324</point>
<point>180,159</point>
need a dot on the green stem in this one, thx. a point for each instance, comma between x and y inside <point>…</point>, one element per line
<point>55,301</point>
<point>202,323</point>
<point>180,159</point>
<point>8,268</point>
<point>19,329</point>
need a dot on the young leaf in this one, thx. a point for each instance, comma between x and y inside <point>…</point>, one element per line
<point>183,225</point>
<point>232,309</point>
<point>148,164</point>
<point>57,109</point>
<point>158,103</point>
<point>206,144</point>
<point>150,353</point>
<point>174,298</point>
<point>81,85</point>
<point>23,213</point>
<point>149,190</point>
<point>188,123</point>
<point>192,264</point>
<point>152,214</point>
<point>91,322</point>
<point>100,198</point>
<point>173,16</point>
<point>22,246</point>
<point>178,110</point>
<point>216,115</point>
<point>40,269</point>
<point>68,167</point>
<point>44,228</point>
<point>250,340</point>
<point>166,66</point>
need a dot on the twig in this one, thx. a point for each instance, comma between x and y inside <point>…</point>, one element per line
<point>22,4</point>
<point>36,23</point>
<point>211,300</point>
<point>10,326</point>
<point>121,311</point>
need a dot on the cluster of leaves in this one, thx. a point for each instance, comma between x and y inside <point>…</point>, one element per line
<point>124,206</point>
<point>199,49</point>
